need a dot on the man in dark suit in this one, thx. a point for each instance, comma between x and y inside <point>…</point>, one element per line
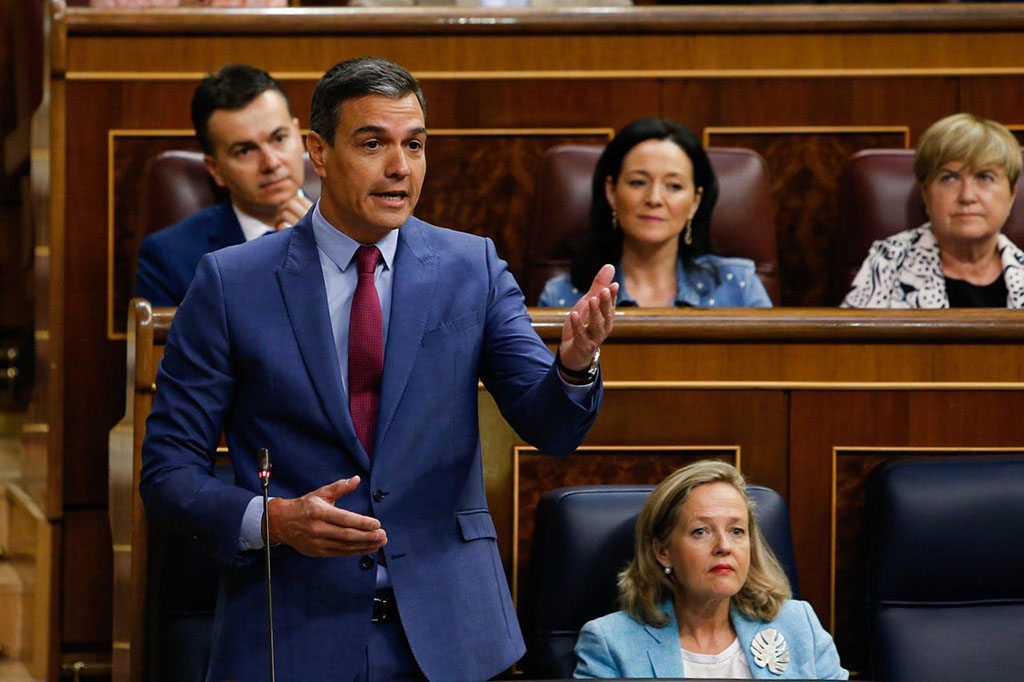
<point>252,147</point>
<point>351,346</point>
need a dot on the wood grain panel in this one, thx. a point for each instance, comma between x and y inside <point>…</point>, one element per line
<point>665,53</point>
<point>995,97</point>
<point>804,167</point>
<point>500,167</point>
<point>863,101</point>
<point>569,102</point>
<point>86,579</point>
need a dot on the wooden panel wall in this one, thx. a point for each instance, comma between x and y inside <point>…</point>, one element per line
<point>807,402</point>
<point>802,406</point>
<point>505,85</point>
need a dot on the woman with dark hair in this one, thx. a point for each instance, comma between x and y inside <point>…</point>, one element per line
<point>650,213</point>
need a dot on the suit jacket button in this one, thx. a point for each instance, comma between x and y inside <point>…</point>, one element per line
<point>379,495</point>
<point>366,563</point>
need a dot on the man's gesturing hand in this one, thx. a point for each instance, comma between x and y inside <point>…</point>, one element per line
<point>590,321</point>
<point>315,527</point>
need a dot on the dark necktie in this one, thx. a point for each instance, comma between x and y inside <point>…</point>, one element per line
<point>365,350</point>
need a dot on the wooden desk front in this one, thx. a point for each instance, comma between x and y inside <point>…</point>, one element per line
<point>804,401</point>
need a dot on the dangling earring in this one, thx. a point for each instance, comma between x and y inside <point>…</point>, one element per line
<point>615,221</point>
<point>668,570</point>
<point>688,232</point>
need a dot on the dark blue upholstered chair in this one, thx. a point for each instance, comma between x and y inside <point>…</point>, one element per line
<point>582,538</point>
<point>945,569</point>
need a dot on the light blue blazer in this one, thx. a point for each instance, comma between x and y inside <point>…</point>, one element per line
<point>617,646</point>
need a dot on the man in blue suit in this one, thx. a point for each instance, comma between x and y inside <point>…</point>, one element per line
<point>252,147</point>
<point>385,557</point>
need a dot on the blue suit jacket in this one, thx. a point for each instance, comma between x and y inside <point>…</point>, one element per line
<point>617,646</point>
<point>168,257</point>
<point>251,353</point>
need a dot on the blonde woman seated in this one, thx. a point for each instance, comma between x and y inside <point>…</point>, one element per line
<point>704,596</point>
<point>967,168</point>
<point>650,214</point>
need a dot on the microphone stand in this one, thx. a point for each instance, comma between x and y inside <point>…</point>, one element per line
<point>265,466</point>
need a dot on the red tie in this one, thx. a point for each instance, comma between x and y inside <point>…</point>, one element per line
<point>365,350</point>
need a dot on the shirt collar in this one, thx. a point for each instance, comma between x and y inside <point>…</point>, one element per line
<point>253,227</point>
<point>341,248</point>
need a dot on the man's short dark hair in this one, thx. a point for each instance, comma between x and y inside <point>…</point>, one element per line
<point>356,78</point>
<point>231,88</point>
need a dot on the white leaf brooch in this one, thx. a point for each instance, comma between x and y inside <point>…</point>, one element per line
<point>770,651</point>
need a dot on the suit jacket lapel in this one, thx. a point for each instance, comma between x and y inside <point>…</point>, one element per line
<point>417,270</point>
<point>229,230</point>
<point>664,654</point>
<point>302,286</point>
<point>745,631</point>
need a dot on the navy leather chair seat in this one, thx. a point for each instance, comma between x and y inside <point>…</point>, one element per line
<point>582,538</point>
<point>945,569</point>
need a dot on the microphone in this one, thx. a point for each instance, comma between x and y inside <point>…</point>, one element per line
<point>265,466</point>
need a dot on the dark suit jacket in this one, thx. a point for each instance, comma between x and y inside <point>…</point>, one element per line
<point>251,353</point>
<point>168,257</point>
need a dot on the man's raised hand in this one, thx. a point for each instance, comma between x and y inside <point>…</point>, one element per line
<point>589,321</point>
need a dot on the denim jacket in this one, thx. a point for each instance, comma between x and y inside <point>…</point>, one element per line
<point>738,287</point>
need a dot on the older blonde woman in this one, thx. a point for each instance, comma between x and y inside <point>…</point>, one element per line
<point>967,168</point>
<point>704,596</point>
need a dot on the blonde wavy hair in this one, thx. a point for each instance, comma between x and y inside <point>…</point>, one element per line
<point>972,139</point>
<point>643,584</point>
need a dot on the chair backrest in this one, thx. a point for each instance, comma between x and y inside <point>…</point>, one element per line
<point>582,538</point>
<point>878,197</point>
<point>175,184</point>
<point>742,224</point>
<point>945,555</point>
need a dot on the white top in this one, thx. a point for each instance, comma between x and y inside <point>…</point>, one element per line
<point>730,664</point>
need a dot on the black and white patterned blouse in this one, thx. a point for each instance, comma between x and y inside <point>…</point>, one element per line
<point>905,271</point>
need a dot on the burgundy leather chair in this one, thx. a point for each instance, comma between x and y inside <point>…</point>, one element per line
<point>879,197</point>
<point>175,184</point>
<point>742,224</point>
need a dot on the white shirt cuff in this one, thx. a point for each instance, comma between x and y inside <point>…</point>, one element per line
<point>250,536</point>
<point>578,393</point>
